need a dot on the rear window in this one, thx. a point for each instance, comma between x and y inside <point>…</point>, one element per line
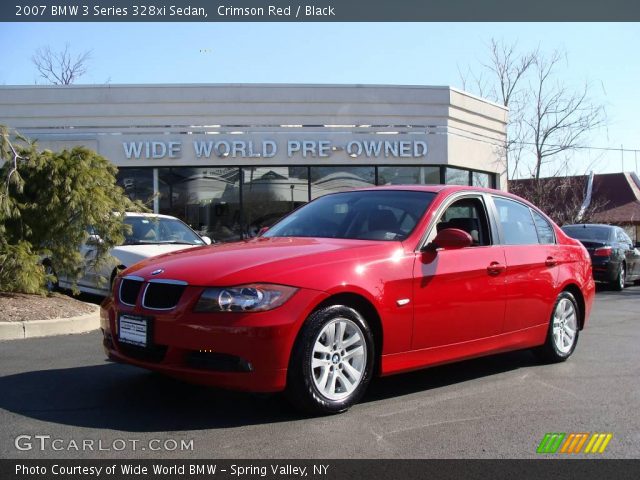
<point>579,232</point>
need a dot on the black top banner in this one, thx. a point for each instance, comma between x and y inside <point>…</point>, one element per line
<point>319,11</point>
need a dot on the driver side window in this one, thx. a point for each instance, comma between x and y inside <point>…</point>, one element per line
<point>469,215</point>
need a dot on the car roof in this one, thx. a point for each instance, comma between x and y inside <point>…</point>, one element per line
<point>436,188</point>
<point>417,188</point>
<point>447,189</point>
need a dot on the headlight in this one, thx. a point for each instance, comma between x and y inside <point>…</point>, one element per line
<point>244,298</point>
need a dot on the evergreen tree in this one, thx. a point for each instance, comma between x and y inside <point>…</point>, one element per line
<point>48,200</point>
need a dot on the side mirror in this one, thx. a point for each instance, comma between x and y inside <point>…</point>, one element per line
<point>451,239</point>
<point>207,240</point>
<point>262,231</point>
<point>94,240</point>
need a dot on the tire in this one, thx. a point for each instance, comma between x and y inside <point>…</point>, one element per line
<point>51,285</point>
<point>312,385</point>
<point>559,345</point>
<point>620,280</point>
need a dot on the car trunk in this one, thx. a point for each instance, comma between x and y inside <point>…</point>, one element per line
<point>593,245</point>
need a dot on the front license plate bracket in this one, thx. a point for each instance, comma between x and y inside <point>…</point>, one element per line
<point>135,330</point>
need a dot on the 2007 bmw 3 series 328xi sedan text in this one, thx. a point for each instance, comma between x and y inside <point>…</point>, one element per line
<point>356,284</point>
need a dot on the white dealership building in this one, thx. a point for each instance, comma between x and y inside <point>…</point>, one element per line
<point>229,159</point>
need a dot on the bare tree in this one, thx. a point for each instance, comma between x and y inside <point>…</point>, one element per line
<point>505,83</point>
<point>60,68</point>
<point>561,118</point>
<point>546,118</point>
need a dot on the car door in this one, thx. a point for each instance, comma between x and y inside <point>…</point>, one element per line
<point>459,295</point>
<point>532,264</point>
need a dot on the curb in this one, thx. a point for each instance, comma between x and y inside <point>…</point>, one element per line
<point>46,328</point>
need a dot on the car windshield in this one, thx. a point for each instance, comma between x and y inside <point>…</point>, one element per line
<point>598,234</point>
<point>148,230</point>
<point>389,215</point>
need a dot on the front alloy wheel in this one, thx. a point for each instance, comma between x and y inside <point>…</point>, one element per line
<point>339,359</point>
<point>563,332</point>
<point>332,361</point>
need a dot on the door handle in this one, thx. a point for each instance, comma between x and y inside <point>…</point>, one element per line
<point>495,268</point>
<point>551,262</point>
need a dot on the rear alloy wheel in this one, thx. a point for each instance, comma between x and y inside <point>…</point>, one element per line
<point>562,335</point>
<point>332,361</point>
<point>619,282</point>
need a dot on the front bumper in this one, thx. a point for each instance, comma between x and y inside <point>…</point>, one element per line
<point>239,351</point>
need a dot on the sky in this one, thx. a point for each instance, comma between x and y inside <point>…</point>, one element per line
<point>606,56</point>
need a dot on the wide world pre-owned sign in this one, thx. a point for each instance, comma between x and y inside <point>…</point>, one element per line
<point>154,149</point>
<point>275,148</point>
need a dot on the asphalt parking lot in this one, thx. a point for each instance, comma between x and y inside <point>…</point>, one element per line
<point>494,407</point>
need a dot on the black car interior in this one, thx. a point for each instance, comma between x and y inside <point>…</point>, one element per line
<point>467,215</point>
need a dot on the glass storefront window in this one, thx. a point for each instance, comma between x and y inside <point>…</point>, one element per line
<point>210,199</point>
<point>207,199</point>
<point>137,184</point>
<point>337,179</point>
<point>390,175</point>
<point>456,176</point>
<point>480,179</point>
<point>269,193</point>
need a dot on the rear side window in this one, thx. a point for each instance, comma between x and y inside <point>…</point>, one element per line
<point>517,223</point>
<point>544,228</point>
<point>622,237</point>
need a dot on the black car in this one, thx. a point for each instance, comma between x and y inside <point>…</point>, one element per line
<point>614,257</point>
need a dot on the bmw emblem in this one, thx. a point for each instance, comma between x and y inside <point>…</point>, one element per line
<point>158,271</point>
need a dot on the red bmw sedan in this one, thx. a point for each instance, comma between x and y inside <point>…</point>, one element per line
<point>356,284</point>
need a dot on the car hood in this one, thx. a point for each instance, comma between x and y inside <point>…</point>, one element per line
<point>291,261</point>
<point>130,254</point>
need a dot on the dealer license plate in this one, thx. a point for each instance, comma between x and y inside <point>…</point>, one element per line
<point>134,330</point>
